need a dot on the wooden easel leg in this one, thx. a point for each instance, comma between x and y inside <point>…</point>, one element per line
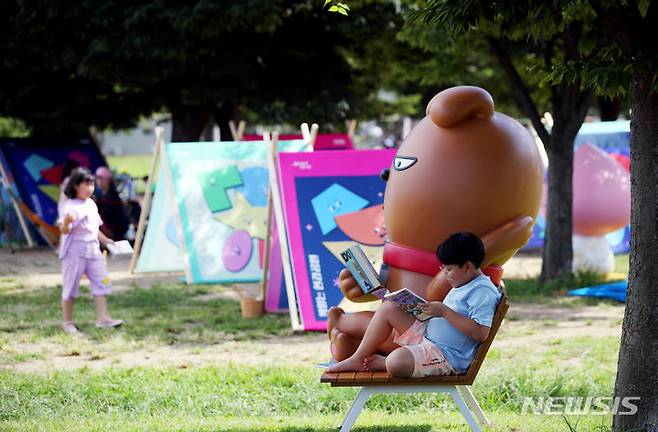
<point>468,415</point>
<point>472,403</point>
<point>358,404</point>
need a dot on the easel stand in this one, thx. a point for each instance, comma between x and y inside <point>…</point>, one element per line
<point>252,307</point>
<point>146,207</point>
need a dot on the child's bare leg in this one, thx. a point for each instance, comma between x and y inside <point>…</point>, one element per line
<point>67,309</point>
<point>400,363</point>
<point>101,309</point>
<point>345,331</point>
<point>387,318</point>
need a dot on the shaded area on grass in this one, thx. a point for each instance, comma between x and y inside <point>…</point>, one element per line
<point>167,314</point>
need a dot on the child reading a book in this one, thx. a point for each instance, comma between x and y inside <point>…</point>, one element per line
<point>446,343</point>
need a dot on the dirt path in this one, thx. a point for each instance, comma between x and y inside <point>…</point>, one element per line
<point>527,325</point>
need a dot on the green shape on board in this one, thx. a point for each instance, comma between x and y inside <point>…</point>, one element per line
<point>215,184</point>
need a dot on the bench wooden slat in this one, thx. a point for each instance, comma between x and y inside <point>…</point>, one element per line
<point>361,379</point>
<point>345,378</point>
<point>363,376</point>
<point>380,376</point>
<point>329,377</point>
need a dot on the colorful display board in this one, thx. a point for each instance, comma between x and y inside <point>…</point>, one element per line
<point>329,201</point>
<point>161,250</point>
<point>221,194</point>
<point>35,166</point>
<point>276,299</point>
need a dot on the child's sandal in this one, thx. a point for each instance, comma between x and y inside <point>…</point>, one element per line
<point>70,327</point>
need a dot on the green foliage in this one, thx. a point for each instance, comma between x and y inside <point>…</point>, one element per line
<point>67,65</point>
<point>13,128</point>
<point>335,6</point>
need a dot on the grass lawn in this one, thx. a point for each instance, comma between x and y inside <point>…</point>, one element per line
<point>269,394</point>
<point>137,166</point>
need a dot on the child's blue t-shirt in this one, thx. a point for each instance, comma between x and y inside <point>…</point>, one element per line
<point>476,300</point>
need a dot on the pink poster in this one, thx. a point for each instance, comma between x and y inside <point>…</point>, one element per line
<point>330,201</point>
<point>333,142</point>
<point>276,300</point>
<point>322,141</point>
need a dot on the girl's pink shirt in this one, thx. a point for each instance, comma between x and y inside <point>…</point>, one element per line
<point>85,225</point>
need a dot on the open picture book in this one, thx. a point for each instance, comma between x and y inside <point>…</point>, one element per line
<point>408,302</point>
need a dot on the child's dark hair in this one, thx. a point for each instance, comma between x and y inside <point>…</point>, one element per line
<point>78,175</point>
<point>460,248</point>
<point>69,166</point>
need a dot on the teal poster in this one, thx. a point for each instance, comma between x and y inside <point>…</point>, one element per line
<point>161,250</point>
<point>221,191</point>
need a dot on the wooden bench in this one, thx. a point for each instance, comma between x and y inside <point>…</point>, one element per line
<point>458,386</point>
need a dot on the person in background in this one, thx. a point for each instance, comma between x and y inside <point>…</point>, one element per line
<point>110,205</point>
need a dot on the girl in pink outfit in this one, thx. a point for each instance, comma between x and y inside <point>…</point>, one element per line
<point>80,251</point>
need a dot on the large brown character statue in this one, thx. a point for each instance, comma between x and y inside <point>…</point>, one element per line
<point>464,167</point>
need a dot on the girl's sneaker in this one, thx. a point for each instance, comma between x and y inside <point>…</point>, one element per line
<point>109,324</point>
<point>70,328</point>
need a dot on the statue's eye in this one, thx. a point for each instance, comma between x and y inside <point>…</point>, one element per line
<point>401,163</point>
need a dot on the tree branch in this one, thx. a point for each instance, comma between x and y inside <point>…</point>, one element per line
<point>521,91</point>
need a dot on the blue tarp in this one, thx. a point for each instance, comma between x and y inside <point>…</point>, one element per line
<point>614,291</point>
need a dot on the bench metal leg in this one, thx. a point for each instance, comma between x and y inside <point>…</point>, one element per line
<point>468,415</point>
<point>358,404</point>
<point>473,405</point>
<point>460,394</point>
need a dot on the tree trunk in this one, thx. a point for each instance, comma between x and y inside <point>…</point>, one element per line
<point>557,252</point>
<point>637,370</point>
<point>188,122</point>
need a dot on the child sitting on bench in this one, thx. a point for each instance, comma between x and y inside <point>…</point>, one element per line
<point>446,343</point>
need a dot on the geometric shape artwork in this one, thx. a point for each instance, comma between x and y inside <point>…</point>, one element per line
<point>53,175</point>
<point>310,184</point>
<point>237,251</point>
<point>364,226</point>
<point>207,178</point>
<point>243,216</point>
<point>215,184</point>
<point>51,191</point>
<point>255,185</point>
<point>80,158</point>
<point>35,164</point>
<point>334,201</point>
